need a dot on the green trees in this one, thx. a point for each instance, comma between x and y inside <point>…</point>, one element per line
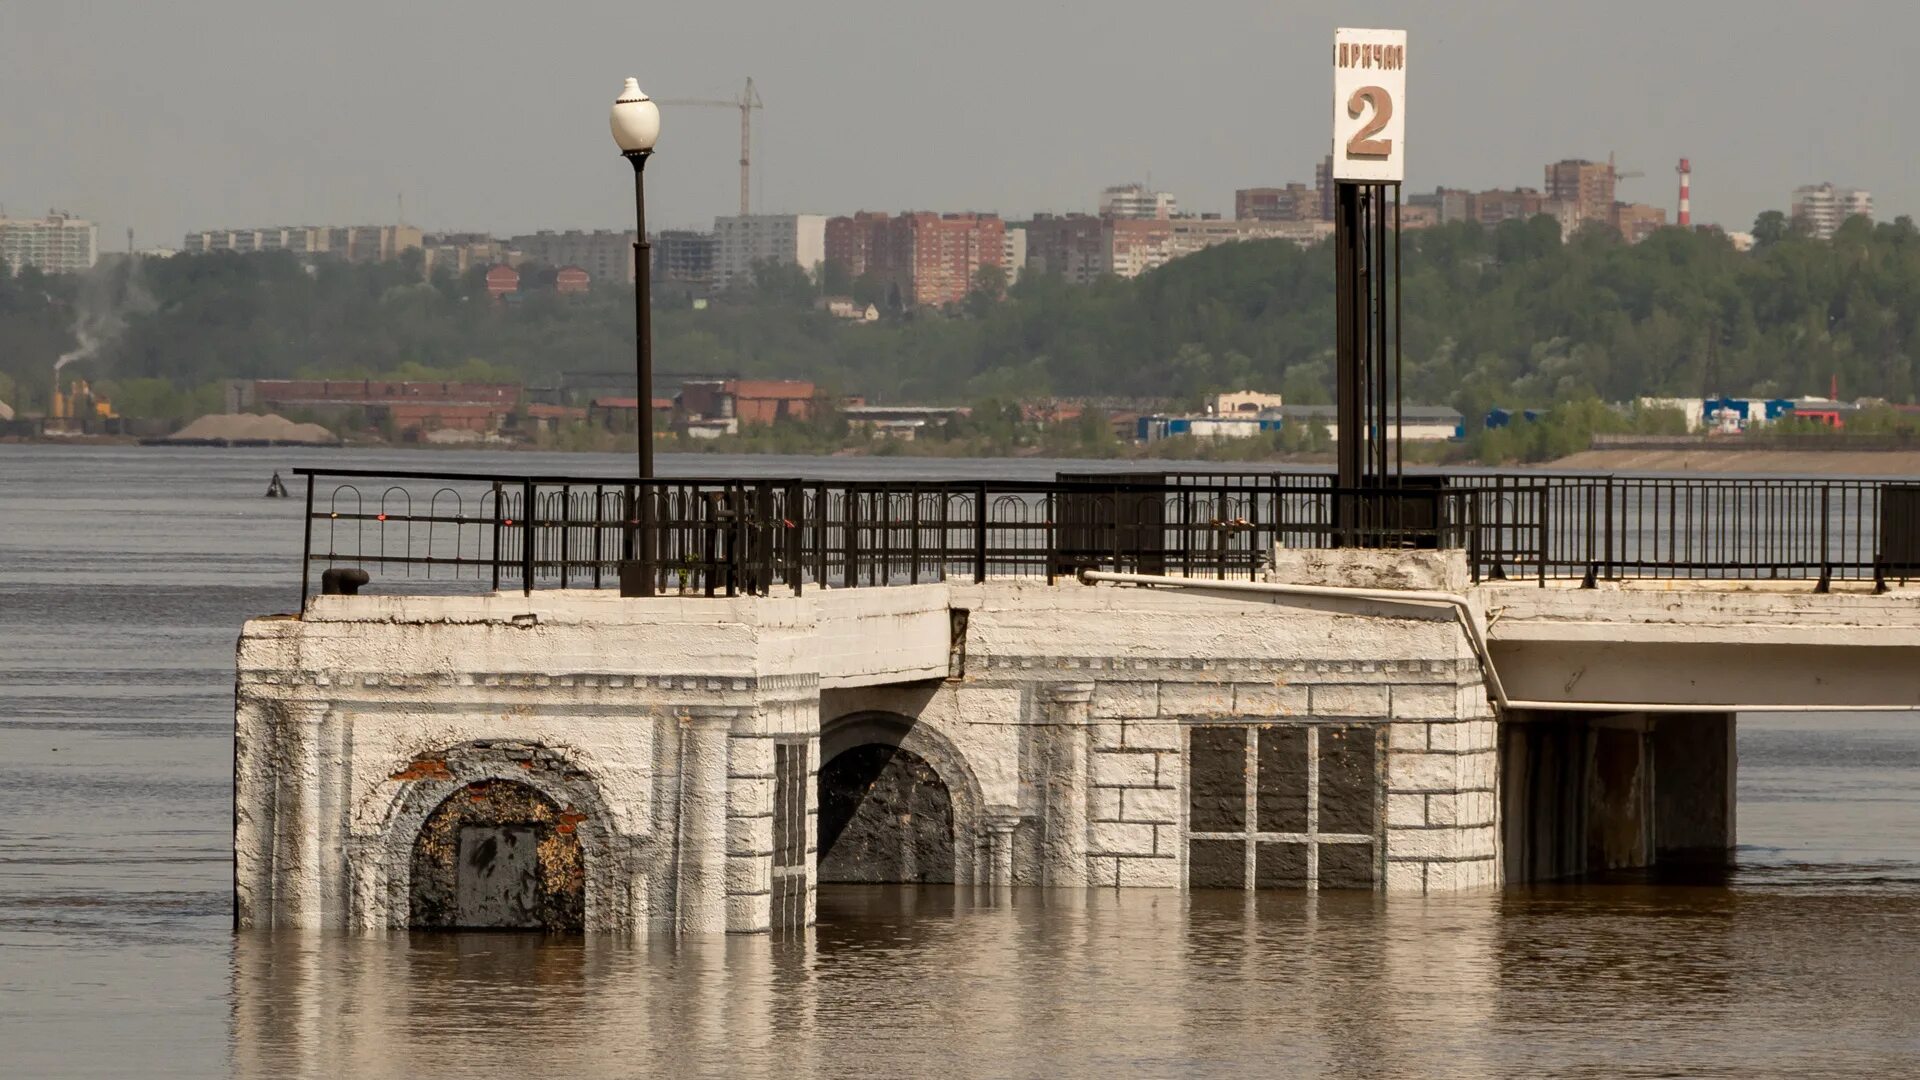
<point>1508,316</point>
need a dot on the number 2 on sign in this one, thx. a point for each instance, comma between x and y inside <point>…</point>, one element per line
<point>1363,144</point>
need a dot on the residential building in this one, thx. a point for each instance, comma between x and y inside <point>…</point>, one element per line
<point>56,244</point>
<point>1490,208</point>
<point>1137,201</point>
<point>1588,185</point>
<point>1821,208</point>
<point>746,239</point>
<point>685,257</point>
<point>1637,221</point>
<point>460,252</point>
<point>1294,202</point>
<point>1447,204</point>
<point>1074,246</point>
<point>572,279</point>
<point>502,281</point>
<point>1323,186</point>
<point>1137,245</point>
<point>930,258</point>
<point>605,254</point>
<point>1013,253</point>
<point>354,243</point>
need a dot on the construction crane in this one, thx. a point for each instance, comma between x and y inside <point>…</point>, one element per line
<point>748,101</point>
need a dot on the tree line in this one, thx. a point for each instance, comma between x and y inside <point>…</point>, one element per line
<point>1504,316</point>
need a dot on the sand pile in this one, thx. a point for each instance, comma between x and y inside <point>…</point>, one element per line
<point>247,429</point>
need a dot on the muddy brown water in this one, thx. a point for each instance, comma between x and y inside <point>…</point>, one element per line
<point>125,574</point>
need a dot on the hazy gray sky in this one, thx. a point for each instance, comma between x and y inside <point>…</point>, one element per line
<point>491,114</point>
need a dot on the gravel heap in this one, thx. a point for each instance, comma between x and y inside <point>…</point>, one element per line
<point>249,428</point>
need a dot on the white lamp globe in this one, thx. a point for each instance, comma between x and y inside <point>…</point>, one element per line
<point>635,119</point>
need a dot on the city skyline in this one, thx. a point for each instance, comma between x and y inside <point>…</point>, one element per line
<point>138,140</point>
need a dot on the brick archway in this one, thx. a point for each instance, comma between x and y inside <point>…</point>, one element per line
<point>498,855</point>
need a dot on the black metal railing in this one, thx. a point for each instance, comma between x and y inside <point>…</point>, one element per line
<point>731,536</point>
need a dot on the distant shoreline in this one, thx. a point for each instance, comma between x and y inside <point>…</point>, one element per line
<point>1794,462</point>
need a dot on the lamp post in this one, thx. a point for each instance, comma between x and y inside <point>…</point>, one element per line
<point>635,120</point>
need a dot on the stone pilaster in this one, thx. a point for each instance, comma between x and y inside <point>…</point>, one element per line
<point>1001,823</point>
<point>1069,716</point>
<point>700,862</point>
<point>299,882</point>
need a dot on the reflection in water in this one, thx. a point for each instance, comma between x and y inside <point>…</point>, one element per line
<point>1593,979</point>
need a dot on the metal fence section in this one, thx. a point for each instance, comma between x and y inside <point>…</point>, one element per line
<point>445,532</point>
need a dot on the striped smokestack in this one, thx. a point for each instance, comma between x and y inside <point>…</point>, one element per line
<point>1686,203</point>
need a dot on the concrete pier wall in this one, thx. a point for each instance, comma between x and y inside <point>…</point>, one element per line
<point>1062,735</point>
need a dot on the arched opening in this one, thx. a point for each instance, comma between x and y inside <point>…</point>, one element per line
<point>498,855</point>
<point>885,816</point>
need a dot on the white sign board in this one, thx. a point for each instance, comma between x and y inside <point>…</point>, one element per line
<point>1369,104</point>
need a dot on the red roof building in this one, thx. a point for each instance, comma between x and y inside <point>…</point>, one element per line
<point>502,280</point>
<point>571,279</point>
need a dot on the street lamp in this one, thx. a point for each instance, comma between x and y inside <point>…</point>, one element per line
<point>635,120</point>
<point>636,124</point>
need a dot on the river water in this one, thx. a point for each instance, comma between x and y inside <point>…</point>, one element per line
<point>125,575</point>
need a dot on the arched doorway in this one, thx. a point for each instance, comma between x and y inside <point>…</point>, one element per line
<point>885,816</point>
<point>499,855</point>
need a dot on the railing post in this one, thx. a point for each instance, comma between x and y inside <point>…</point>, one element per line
<point>306,547</point>
<point>526,537</point>
<point>599,521</point>
<point>980,534</point>
<point>822,505</point>
<point>1546,516</point>
<point>791,523</point>
<point>850,571</point>
<point>1609,526</point>
<point>499,513</point>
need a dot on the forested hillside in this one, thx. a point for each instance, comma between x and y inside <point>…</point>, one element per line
<point>1509,315</point>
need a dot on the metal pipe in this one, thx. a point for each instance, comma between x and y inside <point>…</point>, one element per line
<point>1476,635</point>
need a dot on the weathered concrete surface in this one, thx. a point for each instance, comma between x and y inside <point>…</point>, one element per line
<point>650,727</point>
<point>1709,645</point>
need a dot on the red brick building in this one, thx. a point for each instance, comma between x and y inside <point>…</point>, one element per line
<point>502,280</point>
<point>408,407</point>
<point>931,258</point>
<point>571,279</point>
<point>750,401</point>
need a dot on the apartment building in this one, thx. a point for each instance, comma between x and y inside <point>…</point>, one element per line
<point>1587,185</point>
<point>1137,201</point>
<point>1821,208</point>
<point>685,257</point>
<point>932,259</point>
<point>56,244</point>
<point>1294,202</point>
<point>354,243</point>
<point>745,239</point>
<point>605,254</point>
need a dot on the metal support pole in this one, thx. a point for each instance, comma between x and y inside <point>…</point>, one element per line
<point>637,580</point>
<point>306,549</point>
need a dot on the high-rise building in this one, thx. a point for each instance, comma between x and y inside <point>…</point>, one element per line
<point>1323,186</point>
<point>1446,204</point>
<point>605,254</point>
<point>1637,221</point>
<point>1136,201</point>
<point>1014,258</point>
<point>1493,207</point>
<point>1075,246</point>
<point>930,258</point>
<point>354,243</point>
<point>1586,185</point>
<point>684,256</point>
<point>55,244</point>
<point>1295,202</point>
<point>458,253</point>
<point>1820,208</point>
<point>746,239</point>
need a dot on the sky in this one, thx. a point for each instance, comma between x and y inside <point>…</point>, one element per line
<point>490,115</point>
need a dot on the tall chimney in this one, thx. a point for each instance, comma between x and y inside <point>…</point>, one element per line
<point>1686,184</point>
